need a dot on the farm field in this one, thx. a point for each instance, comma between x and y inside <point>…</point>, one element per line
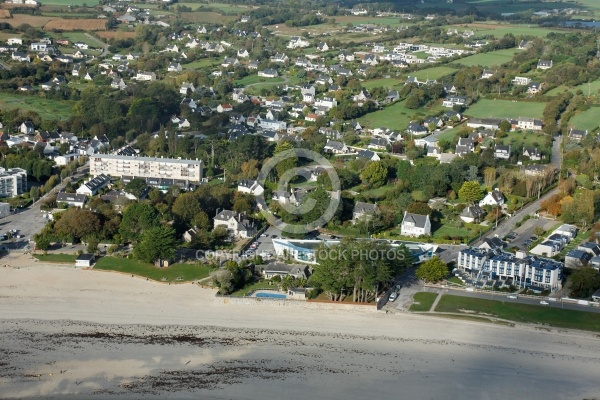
<point>432,73</point>
<point>489,59</point>
<point>47,109</point>
<point>587,120</point>
<point>499,30</point>
<point>20,19</point>
<point>76,24</point>
<point>116,34</point>
<point>205,17</point>
<point>395,116</point>
<point>70,2</point>
<point>505,109</point>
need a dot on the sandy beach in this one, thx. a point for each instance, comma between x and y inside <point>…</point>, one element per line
<point>68,333</point>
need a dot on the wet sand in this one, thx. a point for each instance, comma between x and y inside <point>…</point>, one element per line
<point>68,333</point>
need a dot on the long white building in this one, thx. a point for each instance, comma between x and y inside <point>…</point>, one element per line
<point>13,182</point>
<point>148,168</point>
<point>525,270</point>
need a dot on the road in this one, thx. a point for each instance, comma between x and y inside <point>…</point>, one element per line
<point>509,224</point>
<point>103,45</point>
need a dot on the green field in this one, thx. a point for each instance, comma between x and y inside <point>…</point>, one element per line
<point>432,73</point>
<point>587,120</point>
<point>505,109</point>
<point>222,7</point>
<point>395,116</point>
<point>519,140</point>
<point>70,2</point>
<point>254,79</point>
<point>523,313</point>
<point>390,83</point>
<point>47,109</point>
<point>186,272</point>
<point>57,258</point>
<point>449,134</point>
<point>453,231</point>
<point>591,89</point>
<point>204,63</point>
<point>489,59</point>
<point>75,37</point>
<point>425,301</point>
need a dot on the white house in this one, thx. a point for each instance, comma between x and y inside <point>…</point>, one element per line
<point>521,81</point>
<point>145,76</point>
<point>493,198</point>
<point>250,186</point>
<point>268,73</point>
<point>85,260</point>
<point>415,225</point>
<point>238,225</point>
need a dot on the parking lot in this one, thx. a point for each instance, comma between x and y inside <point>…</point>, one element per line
<point>525,232</point>
<point>26,222</point>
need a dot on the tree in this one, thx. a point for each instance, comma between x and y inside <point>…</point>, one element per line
<point>432,270</point>
<point>92,243</point>
<point>75,224</point>
<point>470,191</point>
<point>136,187</point>
<point>42,241</point>
<point>375,174</point>
<point>186,207</point>
<point>584,282</point>
<point>137,218</point>
<point>157,244</point>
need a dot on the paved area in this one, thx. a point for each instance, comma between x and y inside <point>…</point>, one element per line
<point>525,231</point>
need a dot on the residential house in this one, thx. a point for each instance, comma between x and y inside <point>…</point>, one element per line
<point>145,76</point>
<point>280,58</point>
<point>238,225</point>
<point>521,81</point>
<point>243,53</point>
<point>378,144</point>
<point>268,73</point>
<point>487,74</point>
<point>535,88</point>
<point>590,247</point>
<point>335,147</point>
<point>472,214</point>
<point>530,124</point>
<point>532,154</point>
<point>322,47</point>
<point>452,101</point>
<point>297,42</point>
<point>495,198</point>
<point>27,128</point>
<point>18,56</point>
<point>415,225</point>
<point>577,258</point>
<point>85,260</point>
<point>72,199</point>
<point>250,186</point>
<point>368,155</point>
<point>502,152</point>
<point>273,269</point>
<point>364,211</point>
<point>230,62</point>
<point>187,88</point>
<point>222,108</point>
<point>94,185</point>
<point>465,146</point>
<point>536,169</point>
<point>189,235</point>
<point>577,134</point>
<point>485,123</point>
<point>544,64</point>
<point>392,96</point>
<point>271,124</point>
<point>415,129</point>
<point>253,65</point>
<point>174,67</point>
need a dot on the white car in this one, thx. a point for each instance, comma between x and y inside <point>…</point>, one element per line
<point>512,297</point>
<point>393,296</point>
<point>544,303</point>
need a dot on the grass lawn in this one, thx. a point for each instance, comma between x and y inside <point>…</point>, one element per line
<point>47,109</point>
<point>203,63</point>
<point>423,301</point>
<point>252,79</point>
<point>456,281</point>
<point>518,140</point>
<point>489,59</point>
<point>395,116</point>
<point>252,287</point>
<point>188,272</point>
<point>449,134</point>
<point>57,258</point>
<point>377,192</point>
<point>432,73</point>
<point>524,313</point>
<point>390,83</point>
<point>486,108</point>
<point>586,120</point>
<point>453,231</point>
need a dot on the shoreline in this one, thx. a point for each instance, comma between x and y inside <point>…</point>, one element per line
<point>130,338</point>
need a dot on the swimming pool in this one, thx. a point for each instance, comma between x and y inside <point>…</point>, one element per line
<point>270,295</point>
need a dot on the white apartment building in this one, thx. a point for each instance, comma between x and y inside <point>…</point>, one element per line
<point>13,182</point>
<point>146,167</point>
<point>526,271</point>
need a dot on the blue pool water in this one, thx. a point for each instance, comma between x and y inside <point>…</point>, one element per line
<point>270,295</point>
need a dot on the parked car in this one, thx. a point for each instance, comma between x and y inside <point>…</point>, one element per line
<point>544,303</point>
<point>512,297</point>
<point>393,296</point>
